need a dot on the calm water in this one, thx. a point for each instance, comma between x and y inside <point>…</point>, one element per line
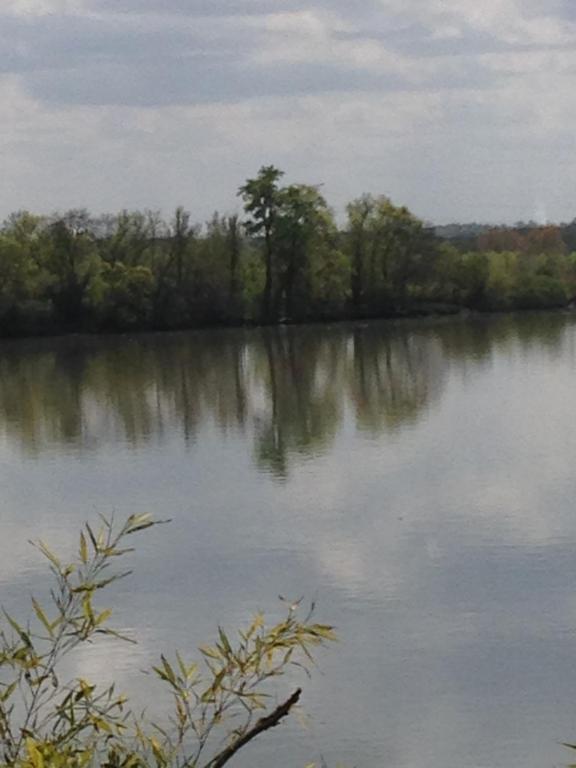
<point>418,480</point>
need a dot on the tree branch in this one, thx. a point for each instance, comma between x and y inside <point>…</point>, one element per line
<point>264,724</point>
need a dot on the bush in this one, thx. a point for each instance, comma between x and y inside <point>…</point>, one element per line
<point>540,292</point>
<point>219,701</point>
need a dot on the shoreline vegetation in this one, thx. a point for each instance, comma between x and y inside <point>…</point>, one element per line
<point>286,260</point>
<point>217,704</point>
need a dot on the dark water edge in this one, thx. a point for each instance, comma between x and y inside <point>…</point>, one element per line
<point>425,311</point>
<point>52,329</point>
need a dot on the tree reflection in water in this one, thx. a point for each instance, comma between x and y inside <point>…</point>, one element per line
<point>291,388</point>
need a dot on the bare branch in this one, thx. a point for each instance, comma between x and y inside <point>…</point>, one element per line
<point>264,724</point>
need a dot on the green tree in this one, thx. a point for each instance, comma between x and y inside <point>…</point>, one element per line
<point>121,296</point>
<point>501,280</point>
<point>391,253</point>
<point>327,278</point>
<point>234,242</point>
<point>23,279</point>
<point>303,221</point>
<point>262,200</point>
<point>182,233</point>
<point>208,277</point>
<point>125,238</point>
<point>71,258</point>
<point>359,212</point>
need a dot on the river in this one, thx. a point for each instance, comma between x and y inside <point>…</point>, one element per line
<point>416,479</point>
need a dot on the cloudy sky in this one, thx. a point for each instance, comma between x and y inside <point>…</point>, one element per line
<point>460,109</point>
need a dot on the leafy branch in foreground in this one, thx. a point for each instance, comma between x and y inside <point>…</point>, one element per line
<point>220,702</point>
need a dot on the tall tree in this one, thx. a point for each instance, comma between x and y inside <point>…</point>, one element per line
<point>72,259</point>
<point>359,212</point>
<point>182,232</point>
<point>391,250</point>
<point>233,237</point>
<point>303,218</point>
<point>262,200</point>
<point>125,238</point>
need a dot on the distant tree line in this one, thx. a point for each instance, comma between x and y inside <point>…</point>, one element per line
<point>285,260</point>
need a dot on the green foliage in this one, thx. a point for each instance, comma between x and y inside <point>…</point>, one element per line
<point>220,700</point>
<point>328,281</point>
<point>71,258</point>
<point>23,279</point>
<point>391,253</point>
<point>121,295</point>
<point>540,292</point>
<point>501,280</point>
<point>304,232</point>
<point>285,260</point>
<point>261,202</point>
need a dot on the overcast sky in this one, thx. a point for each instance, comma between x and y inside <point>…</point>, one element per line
<point>461,109</point>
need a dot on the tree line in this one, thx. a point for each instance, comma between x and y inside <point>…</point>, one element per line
<point>285,260</point>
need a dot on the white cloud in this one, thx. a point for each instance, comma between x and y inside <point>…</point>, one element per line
<point>512,21</point>
<point>42,7</point>
<point>316,38</point>
<point>130,104</point>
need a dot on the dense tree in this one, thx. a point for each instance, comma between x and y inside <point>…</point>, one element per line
<point>121,296</point>
<point>72,259</point>
<point>359,213</point>
<point>23,280</point>
<point>286,260</point>
<point>391,253</point>
<point>170,263</point>
<point>261,202</point>
<point>234,242</point>
<point>304,222</point>
<point>124,238</point>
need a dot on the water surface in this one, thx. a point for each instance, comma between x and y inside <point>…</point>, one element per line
<point>416,479</point>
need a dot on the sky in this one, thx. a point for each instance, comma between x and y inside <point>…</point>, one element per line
<point>462,110</point>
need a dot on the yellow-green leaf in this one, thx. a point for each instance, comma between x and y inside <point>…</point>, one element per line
<point>42,616</point>
<point>83,549</point>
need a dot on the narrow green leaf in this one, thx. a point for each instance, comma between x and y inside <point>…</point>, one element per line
<point>92,538</point>
<point>49,555</point>
<point>224,641</point>
<point>87,608</point>
<point>8,691</point>
<point>210,652</point>
<point>24,636</point>
<point>103,617</point>
<point>42,617</point>
<point>83,549</point>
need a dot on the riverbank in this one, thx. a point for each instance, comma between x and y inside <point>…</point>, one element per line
<point>428,311</point>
